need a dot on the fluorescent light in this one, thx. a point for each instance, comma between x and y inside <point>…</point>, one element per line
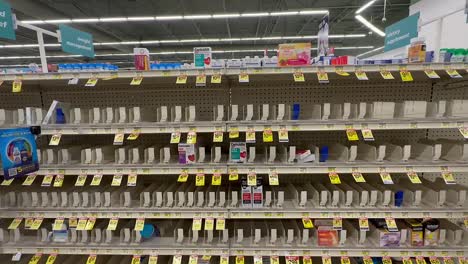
<point>143,18</point>
<point>313,12</point>
<point>110,43</point>
<point>293,37</point>
<point>226,15</point>
<point>361,47</point>
<point>271,38</point>
<point>250,39</point>
<point>370,51</point>
<point>56,21</point>
<point>210,40</point>
<point>113,19</point>
<point>230,39</point>
<point>354,36</point>
<point>286,13</point>
<point>197,17</point>
<point>85,20</point>
<point>364,7</point>
<point>150,42</point>
<point>370,26</point>
<point>255,14</point>
<point>169,41</point>
<point>129,42</point>
<point>33,22</point>
<point>188,40</point>
<point>169,17</point>
<point>310,37</point>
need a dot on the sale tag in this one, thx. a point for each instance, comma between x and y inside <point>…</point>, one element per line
<point>192,137</point>
<point>307,222</point>
<point>243,78</point>
<point>175,137</point>
<point>91,259</point>
<point>448,177</point>
<point>391,224</point>
<point>220,224</point>
<point>252,179</point>
<point>55,140</point>
<point>17,84</point>
<point>334,178</point>
<point>153,260</point>
<point>413,177</point>
<point>367,134</point>
<point>352,134</point>
<point>299,77</point>
<point>136,259</point>
<point>337,223</point>
<point>406,76</point>
<point>358,177</point>
<point>362,76</point>
<point>9,181</point>
<point>90,224</point>
<point>345,260</point>
<point>250,135</point>
<point>386,260</point>
<point>132,180</point>
<point>218,136</point>
<point>58,224</point>
<point>73,81</point>
<point>368,260</point>
<point>464,131</point>
<point>233,132</point>
<point>239,259</point>
<point>387,75</point>
<point>81,224</point>
<point>193,259</point>
<point>233,174</point>
<point>224,260</point>
<point>420,260</point>
<point>183,176</point>
<point>273,178</point>
<point>364,224</point>
<point>119,138</point>
<point>177,259</point>
<point>81,180</point>
<point>113,222</point>
<point>274,260</point>
<point>136,80</point>
<point>96,180</point>
<point>91,82</point>
<point>267,135</point>
<point>201,80</point>
<point>340,71</point>
<point>139,224</point>
<point>200,180</point>
<point>323,77</point>
<point>58,181</point>
<point>51,259</point>
<point>35,259</point>
<point>453,73</point>
<point>431,74</point>
<point>29,180</point>
<point>216,179</point>
<point>15,223</point>
<point>134,135</point>
<point>434,260</point>
<point>448,260</point>
<point>47,181</point>
<point>197,224</point>
<point>258,260</point>
<point>216,78</point>
<point>326,260</point>
<point>28,222</point>
<point>36,223</point>
<point>386,178</point>
<point>283,135</point>
<point>117,180</point>
<point>306,260</point>
<point>181,79</point>
<point>209,224</point>
<point>407,260</point>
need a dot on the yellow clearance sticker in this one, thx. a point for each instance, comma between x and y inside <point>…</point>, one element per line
<point>181,79</point>
<point>216,78</point>
<point>352,135</point>
<point>299,77</point>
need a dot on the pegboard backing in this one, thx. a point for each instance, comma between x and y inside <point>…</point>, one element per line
<point>29,97</point>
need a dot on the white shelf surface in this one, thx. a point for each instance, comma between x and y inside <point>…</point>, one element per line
<point>233,71</point>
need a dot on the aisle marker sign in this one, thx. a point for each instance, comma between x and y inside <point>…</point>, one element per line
<point>7,30</point>
<point>76,42</point>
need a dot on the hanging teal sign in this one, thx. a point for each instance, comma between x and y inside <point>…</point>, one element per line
<point>76,42</point>
<point>400,34</point>
<point>7,30</point>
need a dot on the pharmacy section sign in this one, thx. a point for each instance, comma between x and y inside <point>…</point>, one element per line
<point>76,42</point>
<point>400,34</point>
<point>7,30</point>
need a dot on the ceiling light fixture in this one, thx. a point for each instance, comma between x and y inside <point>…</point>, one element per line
<point>143,18</point>
<point>198,17</point>
<point>226,15</point>
<point>113,19</point>
<point>313,12</point>
<point>370,26</point>
<point>83,20</point>
<point>364,7</point>
<point>169,17</point>
<point>370,51</point>
<point>255,14</point>
<point>286,13</point>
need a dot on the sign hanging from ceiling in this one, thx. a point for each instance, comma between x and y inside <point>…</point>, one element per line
<point>322,46</point>
<point>7,29</point>
<point>400,34</point>
<point>76,42</point>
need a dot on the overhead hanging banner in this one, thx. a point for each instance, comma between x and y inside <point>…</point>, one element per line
<point>18,152</point>
<point>7,30</point>
<point>400,34</point>
<point>76,42</point>
<point>322,46</point>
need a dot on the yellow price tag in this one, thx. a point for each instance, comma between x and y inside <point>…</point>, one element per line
<point>117,180</point>
<point>306,260</point>
<point>139,224</point>
<point>217,136</point>
<point>192,137</point>
<point>200,180</point>
<point>29,180</point>
<point>283,135</point>
<point>8,182</point>
<point>368,260</point>
<point>434,260</point>
<point>28,222</point>
<point>201,80</point>
<point>386,177</point>
<point>220,224</point>
<point>358,177</point>
<point>55,140</point>
<point>153,260</point>
<point>113,222</point>
<point>81,180</point>
<point>209,224</point>
<point>464,131</point>
<point>132,180</point>
<point>90,224</point>
<point>323,77</point>
<point>334,178</point>
<point>307,222</point>
<point>91,82</point>
<point>96,180</point>
<point>340,71</point>
<point>250,135</point>
<point>243,78</point>
<point>448,260</point>
<point>183,177</point>
<point>413,177</point>
<point>193,259</point>
<point>81,224</point>
<point>326,260</point>
<point>197,224</point>
<point>91,259</point>
<point>407,260</point>
<point>406,76</point>
<point>387,75</point>
<point>431,74</point>
<point>17,84</point>
<point>386,260</point>
<point>233,175</point>
<point>36,224</point>
<point>345,260</point>
<point>177,259</point>
<point>391,224</point>
<point>51,259</point>
<point>273,178</point>
<point>47,180</point>
<point>337,223</point>
<point>239,259</point>
<point>299,77</point>
<point>216,179</point>
<point>274,259</point>
<point>364,224</point>
<point>58,181</point>
<point>448,177</point>
<point>252,179</point>
<point>15,223</point>
<point>136,80</point>
<point>134,135</point>
<point>119,138</point>
<point>58,224</point>
<point>136,259</point>
<point>362,76</point>
<point>216,78</point>
<point>453,73</point>
<point>420,260</point>
<point>267,135</point>
<point>181,79</point>
<point>367,134</point>
<point>72,222</point>
<point>233,132</point>
<point>352,134</point>
<point>175,137</point>
<point>35,259</point>
<point>258,260</point>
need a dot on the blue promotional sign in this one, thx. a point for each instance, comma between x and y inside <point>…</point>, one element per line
<point>18,152</point>
<point>400,34</point>
<point>7,29</point>
<point>76,42</point>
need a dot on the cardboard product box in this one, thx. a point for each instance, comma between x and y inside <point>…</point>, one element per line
<point>416,232</point>
<point>238,152</point>
<point>257,194</point>
<point>187,153</point>
<point>327,236</point>
<point>294,54</point>
<point>431,232</point>
<point>389,239</point>
<point>246,193</point>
